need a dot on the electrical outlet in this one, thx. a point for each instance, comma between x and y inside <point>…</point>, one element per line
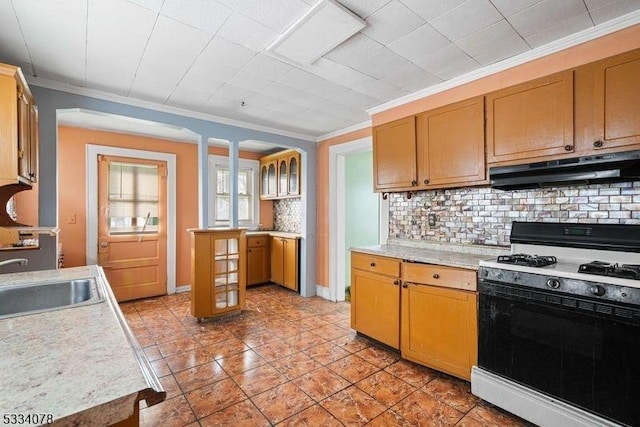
<point>432,219</point>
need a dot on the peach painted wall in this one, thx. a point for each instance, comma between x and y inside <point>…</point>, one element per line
<point>322,254</point>
<point>609,45</point>
<point>26,206</point>
<point>72,188</point>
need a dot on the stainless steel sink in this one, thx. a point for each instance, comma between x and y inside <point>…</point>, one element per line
<point>19,300</point>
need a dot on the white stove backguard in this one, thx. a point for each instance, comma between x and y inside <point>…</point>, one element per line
<point>584,255</point>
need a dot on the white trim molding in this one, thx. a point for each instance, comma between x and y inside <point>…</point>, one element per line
<point>92,152</point>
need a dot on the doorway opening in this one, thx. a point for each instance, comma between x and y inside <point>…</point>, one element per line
<point>347,162</point>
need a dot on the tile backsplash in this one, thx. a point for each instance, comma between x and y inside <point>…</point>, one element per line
<point>287,215</point>
<point>483,216</point>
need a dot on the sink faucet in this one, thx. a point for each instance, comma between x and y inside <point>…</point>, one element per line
<point>21,261</point>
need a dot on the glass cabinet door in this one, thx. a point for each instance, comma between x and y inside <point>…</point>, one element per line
<point>273,181</point>
<point>264,181</point>
<point>282,178</point>
<point>226,286</point>
<point>293,176</point>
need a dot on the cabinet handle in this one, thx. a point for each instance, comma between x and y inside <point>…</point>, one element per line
<point>414,183</point>
<point>598,144</point>
<point>405,285</point>
<point>426,181</point>
<point>373,264</point>
<point>568,147</point>
<point>396,282</point>
<point>249,250</point>
<point>436,276</point>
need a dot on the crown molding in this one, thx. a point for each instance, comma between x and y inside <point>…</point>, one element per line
<point>583,36</point>
<point>339,132</point>
<point>106,96</point>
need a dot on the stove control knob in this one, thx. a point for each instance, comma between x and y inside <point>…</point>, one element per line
<point>553,283</point>
<point>598,290</point>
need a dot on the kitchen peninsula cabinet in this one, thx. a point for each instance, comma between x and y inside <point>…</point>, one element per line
<point>218,272</point>
<point>375,297</point>
<point>531,120</point>
<point>18,129</point>
<point>258,260</point>
<point>284,262</point>
<point>280,175</point>
<point>439,318</point>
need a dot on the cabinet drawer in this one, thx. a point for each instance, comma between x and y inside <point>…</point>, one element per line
<point>448,277</point>
<point>257,241</point>
<point>375,264</point>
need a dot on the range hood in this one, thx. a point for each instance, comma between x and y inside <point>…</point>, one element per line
<point>610,167</point>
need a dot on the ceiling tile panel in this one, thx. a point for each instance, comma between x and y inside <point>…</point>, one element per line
<point>223,52</point>
<point>486,43</point>
<point>355,99</point>
<point>561,29</point>
<point>326,89</point>
<point>152,89</point>
<point>154,5</point>
<point>189,98</point>
<point>278,15</point>
<point>423,40</point>
<point>246,32</point>
<point>429,9</point>
<point>448,62</point>
<point>467,18</point>
<point>12,44</point>
<point>411,77</point>
<point>382,63</point>
<point>391,22</point>
<point>546,15</point>
<point>364,8</point>
<point>606,10</point>
<point>281,91</point>
<point>267,67</point>
<point>249,81</point>
<point>200,75</point>
<point>354,51</point>
<point>511,7</point>
<point>326,68</point>
<point>274,104</point>
<point>299,79</point>
<point>235,93</point>
<point>205,15</point>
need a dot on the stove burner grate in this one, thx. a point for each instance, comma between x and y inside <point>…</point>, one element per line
<point>528,260</point>
<point>624,271</point>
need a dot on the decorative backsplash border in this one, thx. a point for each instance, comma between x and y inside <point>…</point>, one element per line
<point>483,216</point>
<point>287,215</point>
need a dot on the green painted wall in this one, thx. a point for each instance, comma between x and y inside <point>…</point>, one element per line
<point>361,205</point>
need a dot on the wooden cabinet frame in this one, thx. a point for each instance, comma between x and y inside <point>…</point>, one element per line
<point>284,185</point>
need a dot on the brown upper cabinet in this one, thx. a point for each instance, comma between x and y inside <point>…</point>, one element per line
<point>439,148</point>
<point>18,129</point>
<point>394,155</point>
<point>616,101</point>
<point>280,175</point>
<point>530,120</point>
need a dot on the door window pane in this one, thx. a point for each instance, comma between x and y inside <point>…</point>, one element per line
<point>133,198</point>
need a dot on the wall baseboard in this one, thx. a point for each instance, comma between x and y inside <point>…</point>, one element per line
<point>324,292</point>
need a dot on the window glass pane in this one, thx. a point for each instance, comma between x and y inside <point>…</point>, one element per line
<point>221,201</point>
<point>222,181</point>
<point>222,208</point>
<point>244,208</point>
<point>133,198</point>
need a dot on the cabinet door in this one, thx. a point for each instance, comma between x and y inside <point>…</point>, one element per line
<point>290,273</point>
<point>375,306</point>
<point>33,143</point>
<point>616,101</point>
<point>283,177</point>
<point>257,265</point>
<point>272,180</point>
<point>439,328</point>
<point>264,180</point>
<point>531,120</point>
<point>277,260</point>
<point>451,144</point>
<point>24,134</point>
<point>394,155</point>
<point>294,174</point>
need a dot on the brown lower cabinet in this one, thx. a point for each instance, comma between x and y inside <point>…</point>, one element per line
<point>258,260</point>
<point>431,319</point>
<point>284,262</point>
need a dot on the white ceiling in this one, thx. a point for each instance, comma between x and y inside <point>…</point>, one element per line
<point>208,56</point>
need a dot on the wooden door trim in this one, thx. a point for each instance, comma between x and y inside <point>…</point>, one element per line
<point>93,151</point>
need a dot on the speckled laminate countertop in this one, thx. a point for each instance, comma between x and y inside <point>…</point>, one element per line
<point>463,256</point>
<point>80,364</point>
<point>272,233</point>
